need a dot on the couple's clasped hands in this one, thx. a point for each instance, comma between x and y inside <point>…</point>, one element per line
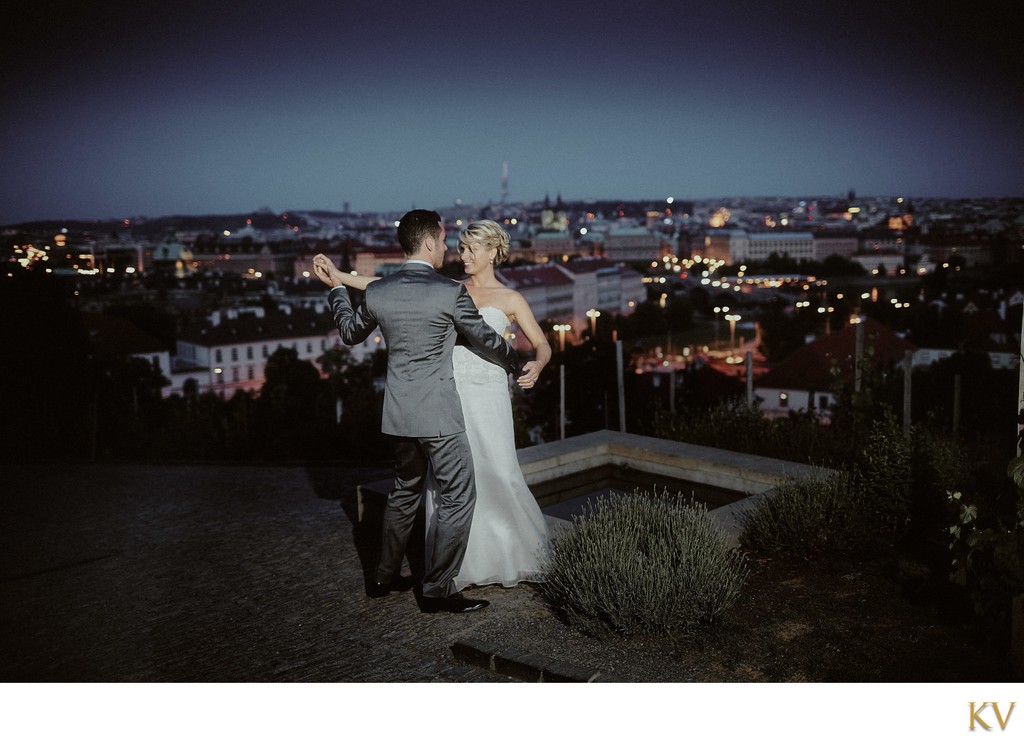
<point>326,271</point>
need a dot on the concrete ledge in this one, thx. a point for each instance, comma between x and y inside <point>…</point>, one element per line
<point>475,653</point>
<point>521,665</point>
<point>740,472</point>
<point>754,477</point>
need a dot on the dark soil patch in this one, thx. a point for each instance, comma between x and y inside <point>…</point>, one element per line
<point>878,615</point>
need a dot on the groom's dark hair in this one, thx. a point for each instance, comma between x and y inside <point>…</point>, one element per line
<point>416,225</point>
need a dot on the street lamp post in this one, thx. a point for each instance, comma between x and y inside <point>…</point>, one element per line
<point>593,315</point>
<point>732,329</point>
<point>719,310</point>
<point>561,328</point>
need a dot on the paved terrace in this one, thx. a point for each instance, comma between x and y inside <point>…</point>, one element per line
<point>246,573</point>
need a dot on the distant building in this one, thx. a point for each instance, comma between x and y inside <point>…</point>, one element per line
<point>378,261</point>
<point>880,240</point>
<point>634,245</point>
<point>600,284</point>
<point>548,290</point>
<point>173,257</point>
<point>244,260</point>
<point>229,351</point>
<point>546,245</point>
<point>827,244</point>
<point>118,257</point>
<point>733,246</point>
<point>804,381</point>
<point>564,292</point>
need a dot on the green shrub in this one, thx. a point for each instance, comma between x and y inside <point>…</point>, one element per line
<point>939,462</point>
<point>643,563</point>
<point>734,426</point>
<point>805,517</point>
<point>885,475</point>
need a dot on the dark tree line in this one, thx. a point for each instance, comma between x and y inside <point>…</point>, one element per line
<point>64,400</point>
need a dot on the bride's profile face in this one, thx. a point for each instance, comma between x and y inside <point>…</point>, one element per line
<point>475,256</point>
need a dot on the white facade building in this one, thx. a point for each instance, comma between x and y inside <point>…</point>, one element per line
<point>229,352</point>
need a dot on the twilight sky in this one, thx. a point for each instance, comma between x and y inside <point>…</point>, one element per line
<point>121,109</point>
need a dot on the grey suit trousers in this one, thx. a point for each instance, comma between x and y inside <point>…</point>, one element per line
<point>451,461</point>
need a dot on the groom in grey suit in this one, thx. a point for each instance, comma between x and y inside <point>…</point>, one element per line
<point>420,312</point>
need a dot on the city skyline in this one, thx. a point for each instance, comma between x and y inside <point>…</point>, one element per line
<point>145,109</point>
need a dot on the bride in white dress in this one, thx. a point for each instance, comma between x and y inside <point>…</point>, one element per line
<point>508,539</point>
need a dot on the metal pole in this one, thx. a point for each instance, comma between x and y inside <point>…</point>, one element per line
<point>908,376</point>
<point>750,379</point>
<point>561,400</point>
<point>672,390</point>
<point>1020,398</point>
<point>858,356</point>
<point>622,387</point>
<point>956,403</point>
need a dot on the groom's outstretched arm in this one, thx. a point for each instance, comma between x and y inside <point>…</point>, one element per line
<point>354,324</point>
<point>485,341</point>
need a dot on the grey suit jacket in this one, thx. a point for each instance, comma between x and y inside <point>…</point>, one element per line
<point>420,312</point>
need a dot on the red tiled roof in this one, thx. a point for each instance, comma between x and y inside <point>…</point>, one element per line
<point>809,368</point>
<point>526,276</point>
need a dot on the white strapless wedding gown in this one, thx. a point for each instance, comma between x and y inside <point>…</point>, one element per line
<point>508,539</point>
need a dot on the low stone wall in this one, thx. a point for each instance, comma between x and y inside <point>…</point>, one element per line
<point>752,476</point>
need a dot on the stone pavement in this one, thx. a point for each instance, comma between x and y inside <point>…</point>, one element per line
<point>133,573</point>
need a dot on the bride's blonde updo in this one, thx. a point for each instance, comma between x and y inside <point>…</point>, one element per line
<point>489,234</point>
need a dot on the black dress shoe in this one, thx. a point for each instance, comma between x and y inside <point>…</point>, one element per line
<point>455,603</point>
<point>376,590</point>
